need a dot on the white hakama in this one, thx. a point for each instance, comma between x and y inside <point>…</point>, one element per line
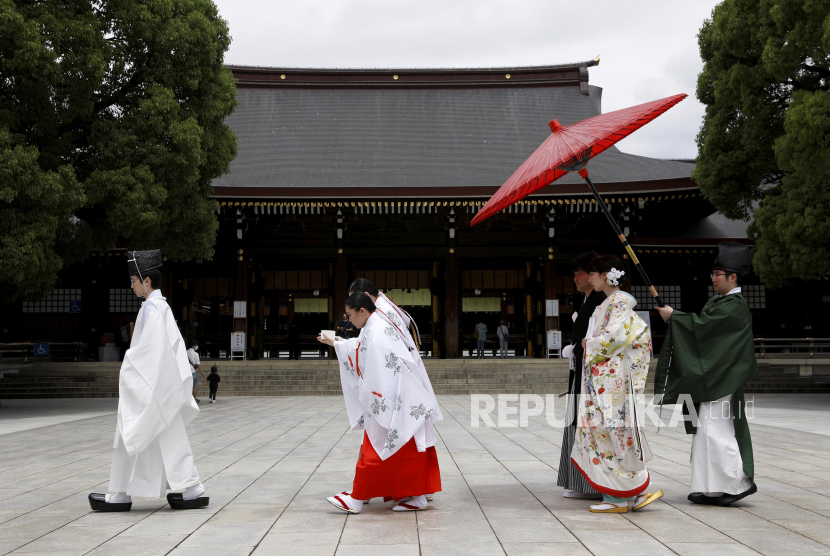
<point>151,448</point>
<point>168,460</point>
<point>717,467</point>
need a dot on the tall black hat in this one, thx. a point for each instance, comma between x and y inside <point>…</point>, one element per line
<point>733,257</point>
<point>140,263</point>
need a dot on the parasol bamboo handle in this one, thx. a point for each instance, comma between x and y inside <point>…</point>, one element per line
<point>634,259</point>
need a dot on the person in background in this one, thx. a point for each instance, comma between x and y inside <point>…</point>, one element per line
<point>196,366</point>
<point>481,335</point>
<point>124,344</point>
<point>345,327</point>
<point>214,380</point>
<point>504,337</point>
<point>293,341</point>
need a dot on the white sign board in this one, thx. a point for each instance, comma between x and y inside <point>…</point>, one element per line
<point>552,308</point>
<point>238,341</point>
<point>554,339</point>
<point>240,310</point>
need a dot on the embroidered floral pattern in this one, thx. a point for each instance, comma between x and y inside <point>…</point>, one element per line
<point>392,362</point>
<point>398,403</point>
<point>379,405</point>
<point>348,367</point>
<point>392,315</point>
<point>606,435</point>
<point>392,333</point>
<point>419,411</point>
<point>390,438</point>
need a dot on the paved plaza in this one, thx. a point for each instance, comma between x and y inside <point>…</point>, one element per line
<point>269,463</point>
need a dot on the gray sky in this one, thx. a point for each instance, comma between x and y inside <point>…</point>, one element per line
<point>648,47</point>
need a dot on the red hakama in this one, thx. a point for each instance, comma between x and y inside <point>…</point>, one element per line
<point>408,472</point>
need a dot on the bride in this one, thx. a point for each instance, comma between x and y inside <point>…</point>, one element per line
<point>610,448</point>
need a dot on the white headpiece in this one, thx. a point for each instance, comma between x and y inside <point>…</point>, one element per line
<point>613,277</point>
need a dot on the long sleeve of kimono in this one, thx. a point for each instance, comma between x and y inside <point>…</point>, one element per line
<point>154,382</point>
<point>613,337</point>
<point>710,355</point>
<point>346,351</point>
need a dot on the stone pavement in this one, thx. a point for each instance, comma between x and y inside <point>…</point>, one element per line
<point>269,463</point>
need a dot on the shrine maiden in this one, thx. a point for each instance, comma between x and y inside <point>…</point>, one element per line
<point>387,400</point>
<point>405,322</point>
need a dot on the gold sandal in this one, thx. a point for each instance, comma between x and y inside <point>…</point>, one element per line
<point>609,508</point>
<point>650,497</point>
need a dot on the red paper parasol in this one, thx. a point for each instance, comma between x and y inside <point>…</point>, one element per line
<point>568,149</point>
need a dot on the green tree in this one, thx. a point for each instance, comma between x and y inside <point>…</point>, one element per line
<point>111,128</point>
<point>765,139</point>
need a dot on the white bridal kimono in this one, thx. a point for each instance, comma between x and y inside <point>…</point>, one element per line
<point>610,449</point>
<point>152,451</point>
<point>383,388</point>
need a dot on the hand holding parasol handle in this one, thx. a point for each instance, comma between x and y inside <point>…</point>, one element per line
<point>584,174</point>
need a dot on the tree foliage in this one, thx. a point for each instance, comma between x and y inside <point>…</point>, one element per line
<point>111,128</point>
<point>765,139</point>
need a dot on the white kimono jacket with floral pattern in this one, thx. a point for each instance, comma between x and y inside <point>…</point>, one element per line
<point>383,389</point>
<point>401,319</point>
<point>608,449</point>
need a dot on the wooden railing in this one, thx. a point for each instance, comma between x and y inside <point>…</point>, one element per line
<point>24,352</point>
<point>794,348</point>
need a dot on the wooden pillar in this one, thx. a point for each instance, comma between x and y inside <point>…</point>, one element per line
<point>550,279</point>
<point>452,338</point>
<point>341,277</point>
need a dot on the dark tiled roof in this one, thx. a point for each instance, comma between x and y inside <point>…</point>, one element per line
<point>337,139</point>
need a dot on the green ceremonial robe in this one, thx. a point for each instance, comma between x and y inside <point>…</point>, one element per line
<point>709,356</point>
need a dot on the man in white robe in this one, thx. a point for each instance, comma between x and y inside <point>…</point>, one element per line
<point>151,448</point>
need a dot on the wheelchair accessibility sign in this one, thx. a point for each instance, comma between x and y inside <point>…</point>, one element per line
<point>75,306</point>
<point>42,348</point>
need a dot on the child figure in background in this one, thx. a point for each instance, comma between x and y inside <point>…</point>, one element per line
<point>214,380</point>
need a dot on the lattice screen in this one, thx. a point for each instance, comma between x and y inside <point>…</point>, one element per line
<point>756,296</point>
<point>56,302</point>
<point>124,301</point>
<point>669,294</point>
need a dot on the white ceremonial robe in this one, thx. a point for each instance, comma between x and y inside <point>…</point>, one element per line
<point>152,450</point>
<point>382,388</point>
<point>717,466</point>
<point>401,319</point>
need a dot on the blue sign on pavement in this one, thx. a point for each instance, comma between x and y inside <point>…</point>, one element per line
<point>42,348</point>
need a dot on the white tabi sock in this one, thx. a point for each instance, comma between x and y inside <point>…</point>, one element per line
<point>193,492</point>
<point>351,502</point>
<point>118,498</point>
<point>349,492</point>
<point>419,501</point>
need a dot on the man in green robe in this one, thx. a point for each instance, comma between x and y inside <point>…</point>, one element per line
<point>710,358</point>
